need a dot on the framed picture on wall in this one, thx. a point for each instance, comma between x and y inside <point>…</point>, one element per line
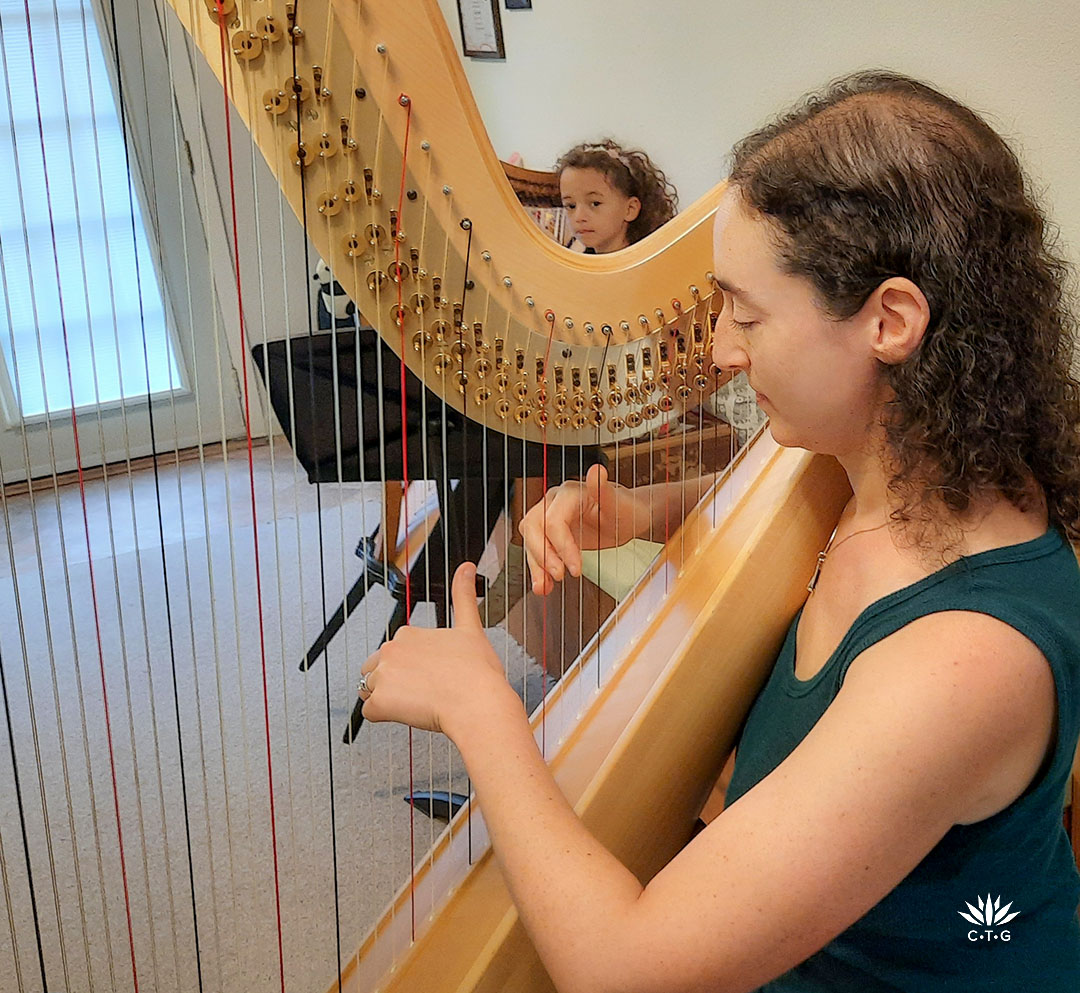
<point>481,29</point>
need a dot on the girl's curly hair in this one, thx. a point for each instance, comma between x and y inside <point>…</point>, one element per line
<point>881,175</point>
<point>632,173</point>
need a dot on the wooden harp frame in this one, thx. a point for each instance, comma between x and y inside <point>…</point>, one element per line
<point>466,290</point>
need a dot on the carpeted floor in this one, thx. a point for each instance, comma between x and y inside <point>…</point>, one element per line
<point>171,621</point>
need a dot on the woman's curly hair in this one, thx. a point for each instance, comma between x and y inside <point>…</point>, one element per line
<point>881,175</point>
<point>632,173</point>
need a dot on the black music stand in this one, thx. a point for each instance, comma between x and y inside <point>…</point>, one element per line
<point>349,383</point>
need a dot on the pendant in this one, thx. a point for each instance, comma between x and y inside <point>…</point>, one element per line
<point>817,571</point>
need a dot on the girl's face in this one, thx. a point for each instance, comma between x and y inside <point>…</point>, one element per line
<point>599,213</point>
<point>817,378</point>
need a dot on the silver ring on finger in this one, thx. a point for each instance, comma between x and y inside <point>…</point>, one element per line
<point>363,686</point>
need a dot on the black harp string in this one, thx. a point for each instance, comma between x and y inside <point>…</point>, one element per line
<point>607,332</point>
<point>466,283</point>
<point>542,385</point>
<point>22,829</point>
<point>444,474</point>
<point>122,114</point>
<point>302,167</point>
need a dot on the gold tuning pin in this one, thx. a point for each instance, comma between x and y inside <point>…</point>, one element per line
<point>295,31</point>
<point>578,402</point>
<point>347,143</point>
<point>633,394</point>
<point>615,396</point>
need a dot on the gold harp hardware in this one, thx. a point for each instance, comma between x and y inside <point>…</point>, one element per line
<point>384,55</point>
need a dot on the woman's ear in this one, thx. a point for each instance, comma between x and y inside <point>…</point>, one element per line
<point>633,208</point>
<point>899,315</point>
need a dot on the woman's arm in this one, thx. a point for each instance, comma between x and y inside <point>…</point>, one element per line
<point>946,718</point>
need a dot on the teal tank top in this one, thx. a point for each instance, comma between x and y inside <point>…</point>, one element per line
<point>917,939</point>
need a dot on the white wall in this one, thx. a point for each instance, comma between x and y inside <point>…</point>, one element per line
<point>686,78</point>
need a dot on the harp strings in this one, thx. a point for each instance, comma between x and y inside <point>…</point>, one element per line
<point>226,72</point>
<point>228,778</point>
<point>166,585</point>
<point>174,578</point>
<point>406,104</point>
<point>31,885</point>
<point>302,152</point>
<point>90,564</point>
<point>276,471</point>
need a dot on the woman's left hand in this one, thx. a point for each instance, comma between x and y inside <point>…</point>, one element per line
<point>431,678</point>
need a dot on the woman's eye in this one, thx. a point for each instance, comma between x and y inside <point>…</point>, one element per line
<point>595,203</point>
<point>742,325</point>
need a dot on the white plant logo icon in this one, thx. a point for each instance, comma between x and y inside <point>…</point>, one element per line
<point>988,915</point>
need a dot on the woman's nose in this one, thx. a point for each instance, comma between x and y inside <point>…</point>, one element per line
<point>727,353</point>
<point>728,345</point>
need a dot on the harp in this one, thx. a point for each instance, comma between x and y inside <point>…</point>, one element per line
<point>361,112</point>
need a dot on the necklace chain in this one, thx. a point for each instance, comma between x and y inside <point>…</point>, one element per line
<point>823,554</point>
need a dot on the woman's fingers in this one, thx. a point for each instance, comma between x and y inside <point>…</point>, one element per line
<point>595,479</point>
<point>367,676</point>
<point>561,542</point>
<point>545,566</point>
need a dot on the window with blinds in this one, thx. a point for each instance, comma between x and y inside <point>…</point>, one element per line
<point>83,321</point>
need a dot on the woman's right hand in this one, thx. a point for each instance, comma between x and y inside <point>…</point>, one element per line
<point>595,513</point>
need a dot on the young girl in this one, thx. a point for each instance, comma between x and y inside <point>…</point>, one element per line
<point>891,295</point>
<point>613,197</point>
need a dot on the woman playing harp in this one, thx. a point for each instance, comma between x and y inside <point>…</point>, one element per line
<point>893,822</point>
